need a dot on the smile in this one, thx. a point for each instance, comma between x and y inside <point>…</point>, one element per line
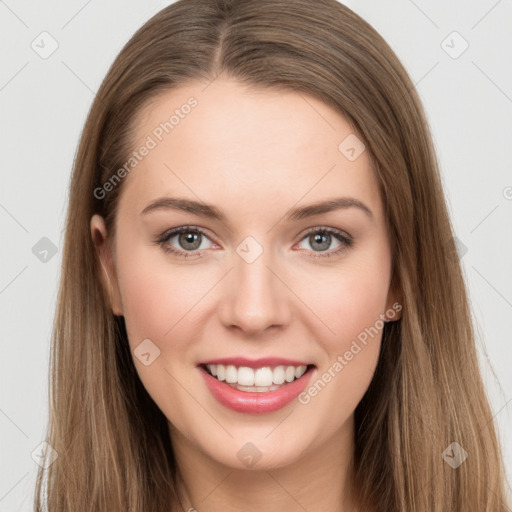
<point>258,380</point>
<point>256,386</point>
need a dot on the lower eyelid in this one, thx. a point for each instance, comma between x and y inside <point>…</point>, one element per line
<point>163,240</point>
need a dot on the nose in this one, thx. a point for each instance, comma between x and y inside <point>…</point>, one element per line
<point>254,296</point>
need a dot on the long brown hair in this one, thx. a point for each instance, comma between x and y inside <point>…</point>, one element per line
<point>113,445</point>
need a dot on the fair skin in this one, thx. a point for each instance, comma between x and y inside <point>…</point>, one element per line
<point>254,155</point>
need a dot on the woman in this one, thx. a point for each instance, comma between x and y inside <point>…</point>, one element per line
<point>260,307</point>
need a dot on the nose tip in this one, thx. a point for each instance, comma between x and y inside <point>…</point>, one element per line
<point>254,298</point>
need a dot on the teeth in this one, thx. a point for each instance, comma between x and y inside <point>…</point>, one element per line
<point>221,371</point>
<point>231,374</point>
<point>262,377</point>
<point>245,376</point>
<point>278,375</point>
<point>289,374</point>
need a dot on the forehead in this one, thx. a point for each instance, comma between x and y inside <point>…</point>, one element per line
<point>224,141</point>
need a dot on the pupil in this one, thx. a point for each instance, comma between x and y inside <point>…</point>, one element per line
<point>190,238</point>
<point>326,237</point>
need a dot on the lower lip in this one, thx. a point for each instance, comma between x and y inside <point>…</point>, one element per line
<point>252,401</point>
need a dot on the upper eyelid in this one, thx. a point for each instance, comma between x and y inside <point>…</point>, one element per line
<point>170,233</point>
<point>178,230</point>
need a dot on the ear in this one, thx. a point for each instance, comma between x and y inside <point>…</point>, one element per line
<point>394,303</point>
<point>108,276</point>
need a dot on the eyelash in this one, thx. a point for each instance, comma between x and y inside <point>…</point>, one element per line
<point>345,239</point>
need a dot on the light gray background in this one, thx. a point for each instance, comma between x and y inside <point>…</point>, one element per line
<point>44,103</point>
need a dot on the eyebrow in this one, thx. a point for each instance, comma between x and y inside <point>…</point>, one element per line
<point>212,212</point>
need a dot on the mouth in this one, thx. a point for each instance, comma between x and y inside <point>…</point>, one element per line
<point>256,380</point>
<point>256,387</point>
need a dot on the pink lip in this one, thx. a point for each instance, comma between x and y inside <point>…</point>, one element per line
<point>254,402</point>
<point>255,363</point>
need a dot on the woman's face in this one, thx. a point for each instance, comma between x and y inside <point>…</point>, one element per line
<point>284,256</point>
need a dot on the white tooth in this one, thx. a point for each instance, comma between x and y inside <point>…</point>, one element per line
<point>245,376</point>
<point>278,375</point>
<point>263,377</point>
<point>289,374</point>
<point>221,372</point>
<point>299,371</point>
<point>231,374</point>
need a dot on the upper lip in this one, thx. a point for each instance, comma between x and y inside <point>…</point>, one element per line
<point>254,363</point>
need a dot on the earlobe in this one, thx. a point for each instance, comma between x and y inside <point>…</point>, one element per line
<point>106,260</point>
<point>394,312</point>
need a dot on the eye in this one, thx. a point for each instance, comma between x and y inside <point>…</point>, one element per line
<point>321,239</point>
<point>188,239</point>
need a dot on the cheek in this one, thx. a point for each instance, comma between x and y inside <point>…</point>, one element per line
<point>360,303</point>
<point>341,301</point>
<point>161,303</point>
<point>351,346</point>
<point>157,298</point>
<point>350,302</point>
<point>348,299</point>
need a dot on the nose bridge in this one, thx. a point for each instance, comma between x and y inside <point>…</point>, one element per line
<point>255,298</point>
